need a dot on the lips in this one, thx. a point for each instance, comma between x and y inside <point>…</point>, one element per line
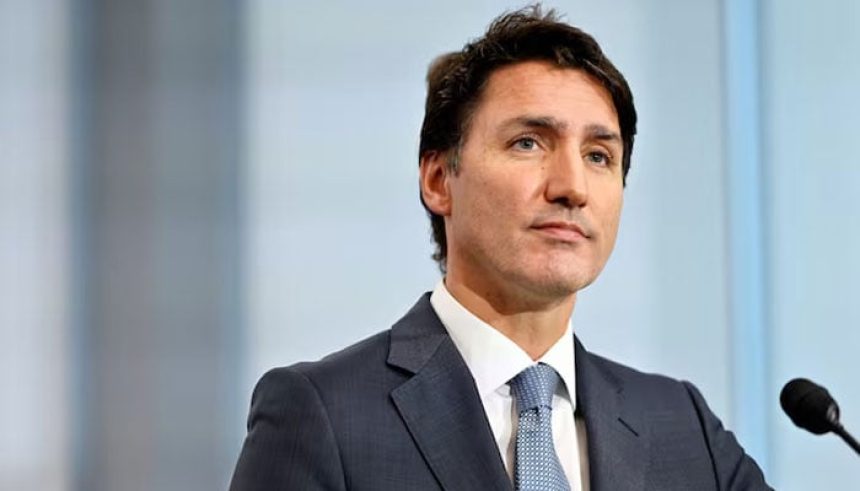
<point>562,230</point>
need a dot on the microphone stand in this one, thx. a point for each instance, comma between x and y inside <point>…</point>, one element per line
<point>840,430</point>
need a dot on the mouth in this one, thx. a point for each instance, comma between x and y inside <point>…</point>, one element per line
<point>562,230</point>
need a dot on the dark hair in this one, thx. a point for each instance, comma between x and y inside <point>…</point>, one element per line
<point>455,82</point>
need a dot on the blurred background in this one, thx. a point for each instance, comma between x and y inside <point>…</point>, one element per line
<point>192,192</point>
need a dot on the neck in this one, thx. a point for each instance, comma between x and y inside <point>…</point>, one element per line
<point>534,325</point>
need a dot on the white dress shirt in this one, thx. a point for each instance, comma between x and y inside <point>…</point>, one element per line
<point>494,360</point>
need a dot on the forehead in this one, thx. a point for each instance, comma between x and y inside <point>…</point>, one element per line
<point>543,89</point>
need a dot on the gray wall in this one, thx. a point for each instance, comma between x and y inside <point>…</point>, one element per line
<point>811,73</point>
<point>193,192</point>
<point>156,220</point>
<point>34,247</point>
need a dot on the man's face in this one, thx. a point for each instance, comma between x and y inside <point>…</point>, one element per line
<point>535,204</point>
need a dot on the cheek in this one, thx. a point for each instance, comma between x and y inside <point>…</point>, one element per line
<point>611,217</point>
<point>495,197</point>
<point>475,210</point>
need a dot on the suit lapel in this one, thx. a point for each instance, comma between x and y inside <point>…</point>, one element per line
<point>441,406</point>
<point>442,410</point>
<point>617,448</point>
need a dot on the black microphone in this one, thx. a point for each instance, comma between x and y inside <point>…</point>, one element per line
<point>811,407</point>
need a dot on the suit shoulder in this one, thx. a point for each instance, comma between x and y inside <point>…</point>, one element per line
<point>365,359</point>
<point>370,349</point>
<point>653,386</point>
<point>623,372</point>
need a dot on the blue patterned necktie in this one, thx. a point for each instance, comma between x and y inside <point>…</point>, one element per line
<point>537,467</point>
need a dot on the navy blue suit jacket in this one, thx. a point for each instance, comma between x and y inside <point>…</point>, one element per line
<point>400,411</point>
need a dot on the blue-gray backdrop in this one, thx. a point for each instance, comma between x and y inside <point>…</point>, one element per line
<point>192,192</point>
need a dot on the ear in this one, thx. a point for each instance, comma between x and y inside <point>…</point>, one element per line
<point>435,190</point>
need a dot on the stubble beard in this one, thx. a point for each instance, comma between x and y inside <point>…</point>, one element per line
<point>538,279</point>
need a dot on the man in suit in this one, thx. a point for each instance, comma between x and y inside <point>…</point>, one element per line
<point>525,146</point>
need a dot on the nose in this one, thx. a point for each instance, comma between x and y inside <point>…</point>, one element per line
<point>567,180</point>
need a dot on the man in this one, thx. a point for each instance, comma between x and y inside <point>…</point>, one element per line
<point>526,143</point>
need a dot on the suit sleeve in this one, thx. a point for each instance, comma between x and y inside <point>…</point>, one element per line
<point>734,469</point>
<point>290,442</point>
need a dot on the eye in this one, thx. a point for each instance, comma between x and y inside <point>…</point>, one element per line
<point>525,143</point>
<point>598,158</point>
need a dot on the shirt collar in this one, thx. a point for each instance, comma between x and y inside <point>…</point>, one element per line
<point>492,358</point>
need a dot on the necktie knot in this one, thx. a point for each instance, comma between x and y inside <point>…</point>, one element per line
<point>534,387</point>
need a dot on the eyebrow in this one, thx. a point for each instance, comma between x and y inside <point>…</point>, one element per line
<point>600,132</point>
<point>595,131</point>
<point>544,122</point>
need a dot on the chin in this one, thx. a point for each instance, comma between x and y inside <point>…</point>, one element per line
<point>556,284</point>
<point>564,277</point>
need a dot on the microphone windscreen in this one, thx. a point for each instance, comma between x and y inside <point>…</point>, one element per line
<point>809,406</point>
